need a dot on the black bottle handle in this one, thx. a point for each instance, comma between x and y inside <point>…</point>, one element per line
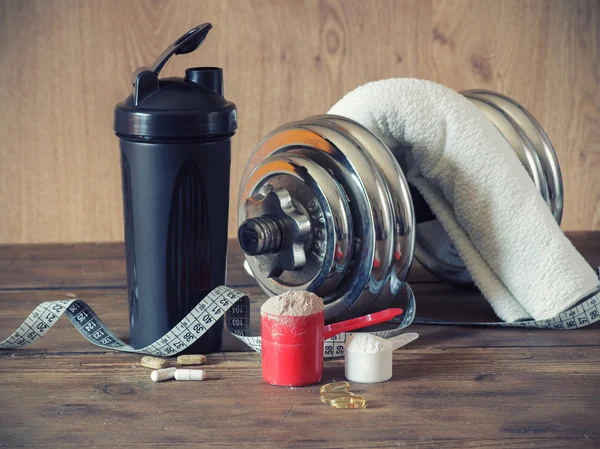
<point>145,79</point>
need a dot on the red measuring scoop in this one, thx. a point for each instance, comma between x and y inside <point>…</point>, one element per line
<point>292,346</point>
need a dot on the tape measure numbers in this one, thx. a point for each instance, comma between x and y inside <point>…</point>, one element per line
<point>86,321</point>
<point>219,302</point>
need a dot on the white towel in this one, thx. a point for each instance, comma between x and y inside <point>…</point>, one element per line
<point>476,186</point>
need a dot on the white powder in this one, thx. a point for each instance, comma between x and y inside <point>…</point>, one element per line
<point>367,344</point>
<point>293,303</point>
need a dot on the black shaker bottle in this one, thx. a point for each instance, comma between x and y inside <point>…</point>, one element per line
<point>175,139</point>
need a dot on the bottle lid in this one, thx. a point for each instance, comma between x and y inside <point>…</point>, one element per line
<point>192,107</point>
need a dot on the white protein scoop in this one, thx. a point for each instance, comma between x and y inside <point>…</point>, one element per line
<point>369,358</point>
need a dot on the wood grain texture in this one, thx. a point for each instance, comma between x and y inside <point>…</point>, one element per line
<point>66,63</point>
<point>455,387</point>
<point>452,398</point>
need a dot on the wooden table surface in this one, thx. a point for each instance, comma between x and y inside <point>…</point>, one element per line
<point>455,387</point>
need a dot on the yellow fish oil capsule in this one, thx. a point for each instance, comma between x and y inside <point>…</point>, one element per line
<point>326,398</point>
<point>190,374</point>
<point>153,362</point>
<point>191,359</point>
<point>334,386</point>
<point>349,402</point>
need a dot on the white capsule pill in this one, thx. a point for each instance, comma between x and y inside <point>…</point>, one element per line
<point>163,374</point>
<point>190,374</point>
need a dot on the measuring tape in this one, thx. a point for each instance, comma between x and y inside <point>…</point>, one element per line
<point>219,302</point>
<point>236,306</point>
<point>586,312</point>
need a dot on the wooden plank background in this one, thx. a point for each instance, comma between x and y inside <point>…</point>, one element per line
<point>64,65</point>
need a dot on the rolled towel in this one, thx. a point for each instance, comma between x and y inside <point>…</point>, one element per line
<point>481,193</point>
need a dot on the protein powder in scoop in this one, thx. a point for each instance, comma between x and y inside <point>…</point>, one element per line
<point>293,303</point>
<point>369,358</point>
<point>292,339</point>
<point>293,332</point>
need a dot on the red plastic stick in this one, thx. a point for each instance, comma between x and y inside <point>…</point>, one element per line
<point>360,322</point>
